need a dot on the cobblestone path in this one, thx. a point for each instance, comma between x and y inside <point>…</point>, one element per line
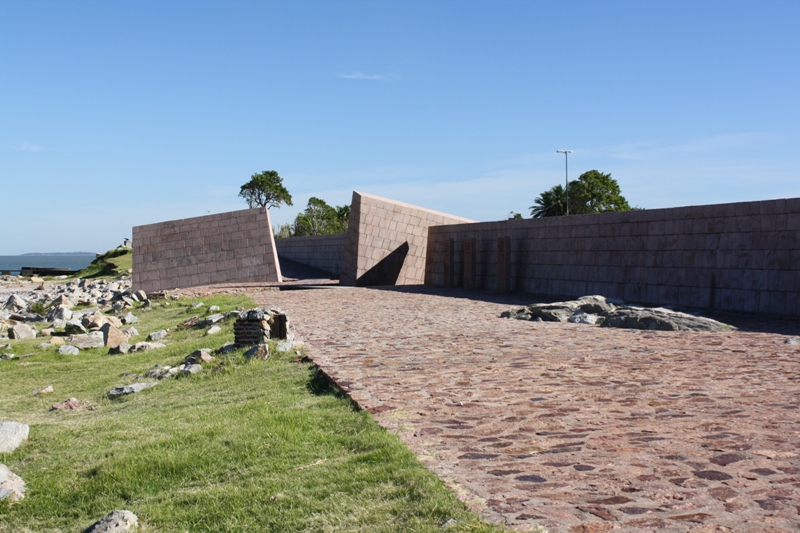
<point>577,428</point>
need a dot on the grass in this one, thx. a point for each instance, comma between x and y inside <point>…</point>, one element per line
<point>242,446</point>
<point>108,265</point>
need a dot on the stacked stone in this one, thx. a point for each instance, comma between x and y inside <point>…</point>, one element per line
<point>257,326</point>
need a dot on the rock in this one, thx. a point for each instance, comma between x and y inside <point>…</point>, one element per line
<point>12,434</point>
<point>37,279</point>
<point>661,319</point>
<point>86,341</point>
<point>45,390</point>
<point>213,319</point>
<point>74,326</point>
<point>62,301</point>
<point>189,323</point>
<point>21,331</point>
<point>597,305</point>
<point>121,348</point>
<point>202,355</point>
<point>157,335</point>
<point>112,337</point>
<point>286,346</point>
<point>70,404</point>
<point>141,295</point>
<point>45,345</point>
<point>59,312</point>
<point>213,330</point>
<point>129,318</point>
<point>131,332</point>
<point>197,305</point>
<point>66,349</point>
<point>116,522</point>
<point>6,356</point>
<point>583,318</point>
<point>116,392</point>
<point>192,369</point>
<point>792,340</point>
<point>226,348</point>
<point>259,351</point>
<point>12,487</point>
<point>98,320</point>
<point>146,346</point>
<point>213,308</point>
<point>16,303</point>
<point>47,332</point>
<point>159,372</point>
<point>57,341</point>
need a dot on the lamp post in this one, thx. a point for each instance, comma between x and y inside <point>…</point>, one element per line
<point>566,175</point>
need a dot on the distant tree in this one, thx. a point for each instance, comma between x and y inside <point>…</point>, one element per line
<point>514,216</point>
<point>552,203</point>
<point>283,231</point>
<point>265,190</point>
<point>319,218</point>
<point>595,192</point>
<point>592,192</point>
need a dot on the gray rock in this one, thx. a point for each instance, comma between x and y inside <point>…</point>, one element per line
<point>59,312</point>
<point>116,392</point>
<point>5,356</point>
<point>12,434</point>
<point>62,301</point>
<point>196,305</point>
<point>200,356</point>
<point>44,390</point>
<point>116,522</point>
<point>129,318</point>
<point>213,330</point>
<point>596,305</point>
<point>16,303</point>
<point>192,369</point>
<point>146,346</point>
<point>581,317</point>
<point>660,319</point>
<point>66,349</point>
<point>120,349</point>
<point>21,331</point>
<point>159,372</point>
<point>259,351</point>
<point>213,319</point>
<point>86,341</point>
<point>141,295</point>
<point>112,337</point>
<point>74,326</point>
<point>792,340</point>
<point>157,335</point>
<point>213,308</point>
<point>45,346</point>
<point>131,332</point>
<point>12,487</point>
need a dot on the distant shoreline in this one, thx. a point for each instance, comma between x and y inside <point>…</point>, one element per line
<point>58,253</point>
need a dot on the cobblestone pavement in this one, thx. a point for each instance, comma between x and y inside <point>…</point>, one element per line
<point>577,428</point>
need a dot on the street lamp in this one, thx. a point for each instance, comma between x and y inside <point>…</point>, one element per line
<point>566,174</point>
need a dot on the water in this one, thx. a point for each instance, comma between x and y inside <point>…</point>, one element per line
<point>71,261</point>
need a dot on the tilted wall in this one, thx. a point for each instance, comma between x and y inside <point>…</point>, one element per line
<point>319,251</point>
<point>386,241</point>
<point>228,247</point>
<point>739,256</point>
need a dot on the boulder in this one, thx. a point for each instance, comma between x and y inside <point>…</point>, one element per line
<point>116,522</point>
<point>192,369</point>
<point>116,392</point>
<point>197,305</point>
<point>66,349</point>
<point>112,337</point>
<point>21,331</point>
<point>85,341</point>
<point>12,434</point>
<point>581,317</point>
<point>6,356</point>
<point>213,330</point>
<point>45,390</point>
<point>129,318</point>
<point>61,301</point>
<point>120,349</point>
<point>16,303</point>
<point>56,341</point>
<point>98,320</point>
<point>597,305</point>
<point>131,331</point>
<point>213,319</point>
<point>59,312</point>
<point>74,326</point>
<point>200,356</point>
<point>157,335</point>
<point>213,308</point>
<point>259,351</point>
<point>12,487</point>
<point>70,404</point>
<point>146,346</point>
<point>661,319</point>
<point>792,340</point>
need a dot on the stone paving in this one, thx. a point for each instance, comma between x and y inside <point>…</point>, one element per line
<point>576,428</point>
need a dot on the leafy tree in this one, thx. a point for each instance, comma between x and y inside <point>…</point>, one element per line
<point>283,231</point>
<point>592,192</point>
<point>552,203</point>
<point>265,190</point>
<point>595,192</point>
<point>514,216</point>
<point>319,218</point>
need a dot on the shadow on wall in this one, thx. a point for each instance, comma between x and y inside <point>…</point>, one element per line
<point>387,271</point>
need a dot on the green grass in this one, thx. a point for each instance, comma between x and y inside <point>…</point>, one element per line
<point>108,265</point>
<point>243,446</point>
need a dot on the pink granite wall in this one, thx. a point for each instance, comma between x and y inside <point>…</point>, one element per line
<point>740,256</point>
<point>319,251</point>
<point>386,241</point>
<point>228,247</point>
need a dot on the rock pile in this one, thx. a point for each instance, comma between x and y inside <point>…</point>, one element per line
<point>257,326</point>
<point>597,310</point>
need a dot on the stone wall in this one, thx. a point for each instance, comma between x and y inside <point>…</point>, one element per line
<point>740,256</point>
<point>228,247</point>
<point>386,241</point>
<point>319,251</point>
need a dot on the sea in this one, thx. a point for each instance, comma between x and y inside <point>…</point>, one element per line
<point>73,261</point>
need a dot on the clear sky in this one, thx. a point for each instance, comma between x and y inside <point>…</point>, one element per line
<point>115,114</point>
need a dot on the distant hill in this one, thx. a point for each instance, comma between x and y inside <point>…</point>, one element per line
<point>61,253</point>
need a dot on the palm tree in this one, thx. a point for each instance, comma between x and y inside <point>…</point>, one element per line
<point>552,203</point>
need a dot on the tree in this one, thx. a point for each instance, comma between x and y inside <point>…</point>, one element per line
<point>265,190</point>
<point>514,216</point>
<point>592,192</point>
<point>552,203</point>
<point>319,218</point>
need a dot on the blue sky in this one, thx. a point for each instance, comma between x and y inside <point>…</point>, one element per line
<point>114,114</point>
